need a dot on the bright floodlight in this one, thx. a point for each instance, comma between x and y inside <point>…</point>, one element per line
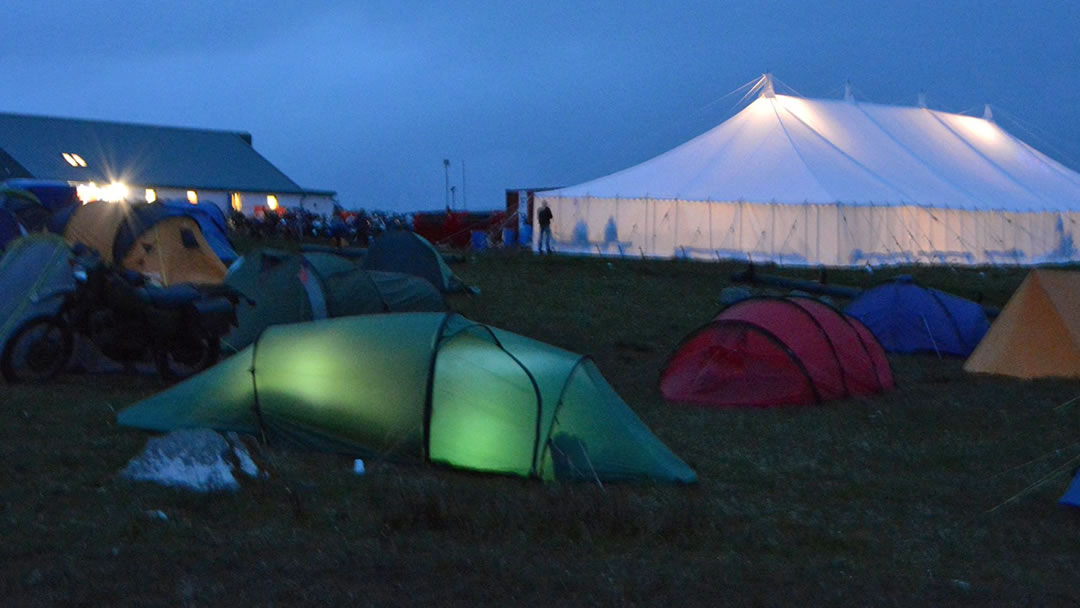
<point>115,192</point>
<point>88,192</point>
<point>112,193</point>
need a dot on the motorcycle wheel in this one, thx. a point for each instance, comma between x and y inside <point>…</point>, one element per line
<point>172,367</point>
<point>37,351</point>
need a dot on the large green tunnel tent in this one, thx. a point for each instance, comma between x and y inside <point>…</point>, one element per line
<point>433,387</point>
<point>289,287</point>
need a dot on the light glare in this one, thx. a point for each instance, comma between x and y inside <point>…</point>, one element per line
<point>980,128</point>
<point>112,193</point>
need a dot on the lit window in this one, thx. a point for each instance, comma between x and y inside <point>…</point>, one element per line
<point>271,202</point>
<point>151,196</point>
<point>193,197</point>
<point>236,204</point>
<point>73,159</point>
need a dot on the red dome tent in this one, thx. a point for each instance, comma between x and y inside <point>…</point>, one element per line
<point>776,351</point>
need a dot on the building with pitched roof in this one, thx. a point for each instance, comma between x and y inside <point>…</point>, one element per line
<point>114,160</point>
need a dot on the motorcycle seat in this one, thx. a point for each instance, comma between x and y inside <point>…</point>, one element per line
<point>173,296</point>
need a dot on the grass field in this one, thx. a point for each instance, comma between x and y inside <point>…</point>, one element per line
<point>902,499</point>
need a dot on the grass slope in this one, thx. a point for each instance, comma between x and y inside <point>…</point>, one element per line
<point>869,501</point>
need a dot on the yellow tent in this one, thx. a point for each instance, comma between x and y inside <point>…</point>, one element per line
<point>152,239</point>
<point>1038,332</point>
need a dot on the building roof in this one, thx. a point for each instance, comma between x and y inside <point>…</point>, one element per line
<point>792,150</point>
<point>33,146</point>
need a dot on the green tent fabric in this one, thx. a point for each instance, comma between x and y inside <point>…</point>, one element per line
<point>34,276</point>
<point>292,287</point>
<point>423,387</point>
<point>408,252</point>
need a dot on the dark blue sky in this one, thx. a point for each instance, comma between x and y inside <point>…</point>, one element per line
<point>367,98</point>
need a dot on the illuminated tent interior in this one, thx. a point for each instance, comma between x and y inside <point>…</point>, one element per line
<point>834,182</point>
<point>292,287</point>
<point>431,387</point>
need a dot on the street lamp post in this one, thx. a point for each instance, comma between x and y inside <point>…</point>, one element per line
<point>446,171</point>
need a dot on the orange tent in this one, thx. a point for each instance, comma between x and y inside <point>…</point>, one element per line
<point>1038,332</point>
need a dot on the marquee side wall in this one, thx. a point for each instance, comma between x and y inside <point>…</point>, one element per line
<point>809,234</point>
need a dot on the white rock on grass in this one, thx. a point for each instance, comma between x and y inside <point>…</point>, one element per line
<point>195,459</point>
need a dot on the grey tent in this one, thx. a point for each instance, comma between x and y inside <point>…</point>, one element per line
<point>410,253</point>
<point>34,277</point>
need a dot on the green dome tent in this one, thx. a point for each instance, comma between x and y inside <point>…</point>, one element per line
<point>422,387</point>
<point>292,287</point>
<point>408,252</point>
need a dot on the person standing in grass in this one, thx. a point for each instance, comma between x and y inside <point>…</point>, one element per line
<point>544,217</point>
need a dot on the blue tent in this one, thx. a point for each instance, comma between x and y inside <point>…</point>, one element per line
<point>52,194</point>
<point>909,318</point>
<point>32,202</point>
<point>212,223</point>
<point>1072,494</point>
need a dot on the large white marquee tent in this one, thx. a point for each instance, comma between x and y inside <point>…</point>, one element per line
<point>835,182</point>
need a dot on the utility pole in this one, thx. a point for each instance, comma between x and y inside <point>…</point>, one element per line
<point>446,171</point>
<point>453,196</point>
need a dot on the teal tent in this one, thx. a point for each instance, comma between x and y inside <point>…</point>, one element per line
<point>286,287</point>
<point>432,387</point>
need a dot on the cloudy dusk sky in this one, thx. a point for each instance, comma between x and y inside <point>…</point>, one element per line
<point>368,98</point>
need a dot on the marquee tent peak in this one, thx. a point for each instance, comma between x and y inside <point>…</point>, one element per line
<point>767,89</point>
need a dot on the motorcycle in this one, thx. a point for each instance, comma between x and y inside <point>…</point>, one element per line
<point>178,328</point>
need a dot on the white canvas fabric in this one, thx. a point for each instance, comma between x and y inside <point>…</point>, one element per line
<point>837,182</point>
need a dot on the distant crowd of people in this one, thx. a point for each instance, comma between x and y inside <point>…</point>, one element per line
<point>344,228</point>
